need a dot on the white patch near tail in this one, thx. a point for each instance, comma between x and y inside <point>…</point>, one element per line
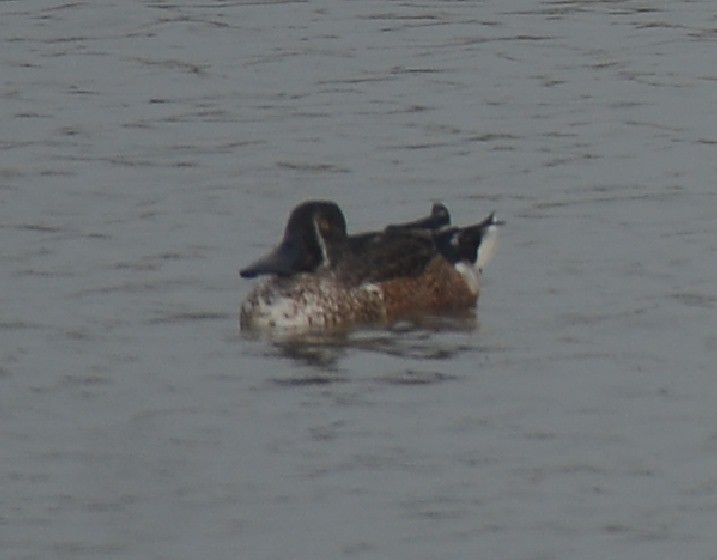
<point>486,250</point>
<point>470,274</point>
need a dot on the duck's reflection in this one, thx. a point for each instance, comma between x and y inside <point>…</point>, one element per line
<point>421,338</point>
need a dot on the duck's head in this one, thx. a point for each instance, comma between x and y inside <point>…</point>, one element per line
<point>314,236</point>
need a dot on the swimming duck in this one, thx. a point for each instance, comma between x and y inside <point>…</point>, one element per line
<point>320,277</point>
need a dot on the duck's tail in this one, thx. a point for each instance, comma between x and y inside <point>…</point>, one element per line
<point>474,245</point>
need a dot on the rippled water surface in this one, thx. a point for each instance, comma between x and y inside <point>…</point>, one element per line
<point>150,149</point>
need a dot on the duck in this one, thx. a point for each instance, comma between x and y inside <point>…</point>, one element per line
<point>321,278</point>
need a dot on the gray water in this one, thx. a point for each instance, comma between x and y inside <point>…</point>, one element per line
<point>148,150</point>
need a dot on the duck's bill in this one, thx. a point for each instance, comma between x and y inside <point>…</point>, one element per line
<point>282,261</point>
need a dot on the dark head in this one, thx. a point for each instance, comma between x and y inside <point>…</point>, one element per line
<point>313,237</point>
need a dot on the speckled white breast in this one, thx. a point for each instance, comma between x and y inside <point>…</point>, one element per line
<point>304,302</point>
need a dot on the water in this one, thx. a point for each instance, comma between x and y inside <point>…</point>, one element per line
<point>150,149</point>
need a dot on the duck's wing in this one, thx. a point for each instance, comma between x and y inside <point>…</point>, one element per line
<point>387,256</point>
